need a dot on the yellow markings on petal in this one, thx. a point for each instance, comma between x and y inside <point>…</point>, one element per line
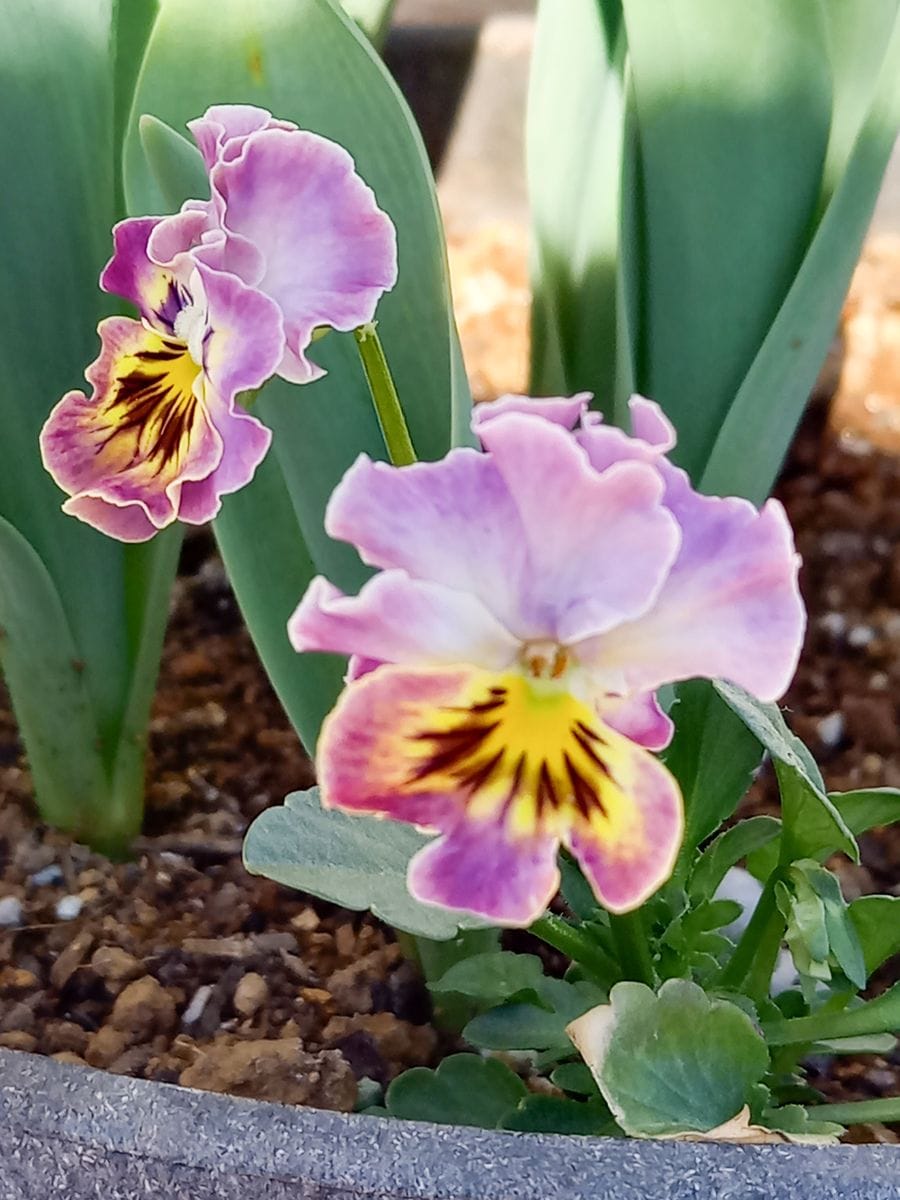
<point>147,415</point>
<point>528,753</point>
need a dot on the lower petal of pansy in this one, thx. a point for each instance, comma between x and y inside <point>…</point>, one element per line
<point>627,848</point>
<point>125,523</point>
<point>639,718</point>
<point>141,434</point>
<point>506,762</point>
<point>482,869</point>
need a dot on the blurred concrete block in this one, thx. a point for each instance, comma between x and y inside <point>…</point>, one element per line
<point>456,12</point>
<point>483,175</point>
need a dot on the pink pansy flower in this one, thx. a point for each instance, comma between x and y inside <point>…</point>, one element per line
<point>290,216</point>
<point>162,435</point>
<point>530,600</point>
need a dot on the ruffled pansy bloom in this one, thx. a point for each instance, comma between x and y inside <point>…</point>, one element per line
<point>529,602</point>
<point>162,435</point>
<point>289,215</point>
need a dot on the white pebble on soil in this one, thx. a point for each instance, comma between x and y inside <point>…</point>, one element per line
<point>831,729</point>
<point>68,908</point>
<point>860,636</point>
<point>10,911</point>
<point>46,877</point>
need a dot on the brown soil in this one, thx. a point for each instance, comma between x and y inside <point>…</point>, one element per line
<point>179,967</point>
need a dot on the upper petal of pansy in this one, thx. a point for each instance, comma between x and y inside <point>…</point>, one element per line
<point>242,331</point>
<point>131,273</point>
<point>730,608</point>
<point>561,410</point>
<point>401,620</point>
<point>551,547</point>
<point>599,544</point>
<point>504,767</point>
<point>141,434</point>
<point>330,252</point>
<point>219,132</point>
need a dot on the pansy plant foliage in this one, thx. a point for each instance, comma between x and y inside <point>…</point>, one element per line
<point>511,662</point>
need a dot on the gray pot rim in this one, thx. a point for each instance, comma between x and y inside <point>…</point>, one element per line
<point>68,1130</point>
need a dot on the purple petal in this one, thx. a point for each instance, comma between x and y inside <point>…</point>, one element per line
<point>640,719</point>
<point>223,127</point>
<point>730,608</point>
<point>480,868</point>
<point>329,251</point>
<point>125,523</point>
<point>118,447</point>
<point>629,852</point>
<point>246,336</point>
<point>599,544</point>
<point>401,620</point>
<point>131,274</point>
<point>561,410</point>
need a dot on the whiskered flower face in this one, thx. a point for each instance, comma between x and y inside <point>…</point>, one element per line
<point>290,216</point>
<point>530,601</point>
<point>162,435</point>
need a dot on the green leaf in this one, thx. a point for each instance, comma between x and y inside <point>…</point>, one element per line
<point>372,16</point>
<point>464,1090</point>
<point>132,23</point>
<point>575,129</point>
<point>811,821</point>
<point>868,808</point>
<point>796,1120</point>
<point>713,757</point>
<point>574,1077</point>
<point>728,849</point>
<point>176,163</point>
<point>530,1027</point>
<point>355,861</point>
<point>773,392</point>
<point>66,83</point>
<point>305,60</point>
<point>729,189</point>
<point>46,681</point>
<point>673,1062</point>
<point>876,920</point>
<point>881,1015</point>
<point>558,1114</point>
<point>492,978</point>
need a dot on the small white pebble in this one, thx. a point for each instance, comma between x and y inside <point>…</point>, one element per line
<point>46,877</point>
<point>831,729</point>
<point>10,911</point>
<point>68,908</point>
<point>833,623</point>
<point>199,1001</point>
<point>879,682</point>
<point>860,636</point>
<point>891,625</point>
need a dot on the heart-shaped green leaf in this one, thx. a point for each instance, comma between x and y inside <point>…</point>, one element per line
<point>673,1062</point>
<point>464,1090</point>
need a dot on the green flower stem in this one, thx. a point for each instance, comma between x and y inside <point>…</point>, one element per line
<point>630,939</point>
<point>759,977</point>
<point>758,930</point>
<point>575,944</point>
<point>881,1015</point>
<point>857,1112</point>
<point>384,396</point>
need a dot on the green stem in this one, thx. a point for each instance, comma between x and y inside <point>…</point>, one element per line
<point>576,945</point>
<point>741,962</point>
<point>858,1112</point>
<point>632,947</point>
<point>881,1015</point>
<point>384,396</point>
<point>759,977</point>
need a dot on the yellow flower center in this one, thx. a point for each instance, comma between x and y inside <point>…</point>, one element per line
<point>150,412</point>
<point>529,753</point>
